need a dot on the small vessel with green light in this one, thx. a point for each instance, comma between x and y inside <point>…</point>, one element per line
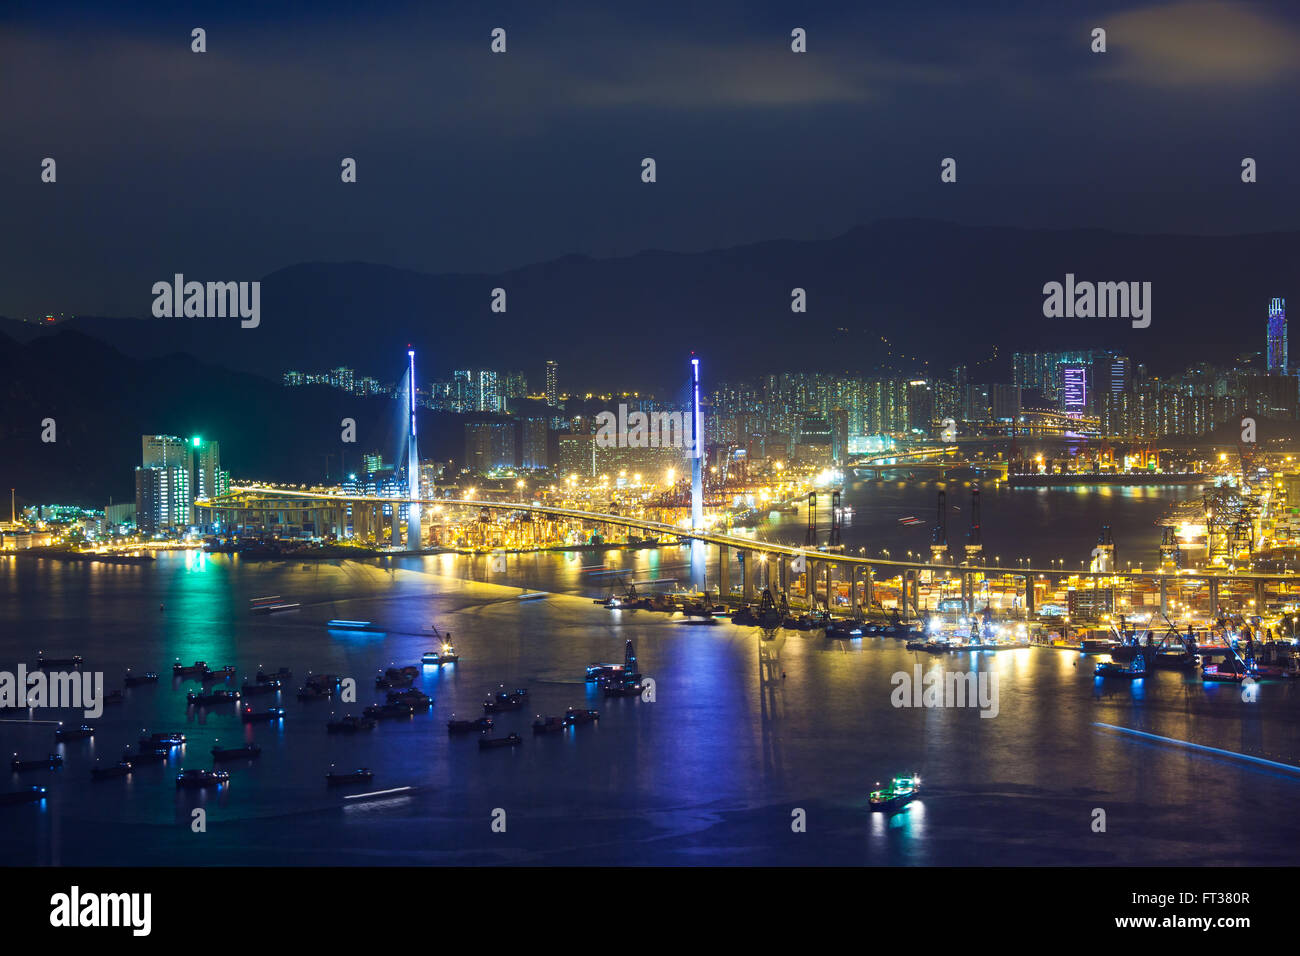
<point>901,791</point>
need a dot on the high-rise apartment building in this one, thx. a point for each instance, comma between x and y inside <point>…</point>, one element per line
<point>552,384</point>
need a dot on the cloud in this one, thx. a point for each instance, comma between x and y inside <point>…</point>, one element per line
<point>1201,43</point>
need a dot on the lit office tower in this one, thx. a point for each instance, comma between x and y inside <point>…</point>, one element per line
<point>1277,336</point>
<point>552,384</point>
<point>209,479</point>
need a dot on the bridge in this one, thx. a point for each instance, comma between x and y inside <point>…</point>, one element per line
<point>923,459</point>
<point>764,563</point>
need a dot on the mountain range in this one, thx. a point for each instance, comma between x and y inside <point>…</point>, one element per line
<point>899,296</point>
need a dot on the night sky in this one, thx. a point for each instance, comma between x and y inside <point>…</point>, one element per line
<point>226,164</point>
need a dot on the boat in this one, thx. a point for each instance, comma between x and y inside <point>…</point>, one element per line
<point>319,686</point>
<point>181,670</point>
<point>225,673</point>
<point>623,689</point>
<point>199,779</point>
<point>393,678</point>
<point>163,739</point>
<point>52,762</point>
<point>902,791</point>
<point>1175,660</point>
<point>336,779</point>
<point>840,630</point>
<point>146,755</point>
<point>350,724</point>
<point>1131,670</point>
<point>266,687</point>
<point>578,716</point>
<point>455,726</point>
<point>488,743</point>
<point>548,725</point>
<point>916,645</point>
<point>135,680</point>
<point>74,733</point>
<point>1097,645</point>
<point>14,797</point>
<point>235,753</point>
<point>504,701</point>
<point>447,655</point>
<point>411,695</point>
<point>72,661</point>
<point>598,672</point>
<point>1214,673</point>
<point>248,715</point>
<point>397,708</point>
<point>532,595</point>
<point>216,697</point>
<point>282,675</point>
<point>120,769</point>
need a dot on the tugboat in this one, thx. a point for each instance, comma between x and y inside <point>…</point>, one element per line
<point>236,753</point>
<point>248,715</point>
<point>488,743</point>
<point>199,779</point>
<point>120,769</point>
<point>902,791</point>
<point>455,726</point>
<point>34,795</point>
<point>266,687</point>
<point>74,733</point>
<point>350,725</point>
<point>337,779</point>
<point>135,680</point>
<point>575,716</point>
<point>52,762</point>
<point>1131,671</point>
<point>216,697</point>
<point>397,708</point>
<point>162,740</point>
<point>548,725</point>
<point>226,673</point>
<point>282,675</point>
<point>73,661</point>
<point>193,670</point>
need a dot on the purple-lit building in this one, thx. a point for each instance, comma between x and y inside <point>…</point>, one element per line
<point>1276,355</point>
<point>1074,395</point>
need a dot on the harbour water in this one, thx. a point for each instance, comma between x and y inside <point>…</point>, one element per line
<point>711,772</point>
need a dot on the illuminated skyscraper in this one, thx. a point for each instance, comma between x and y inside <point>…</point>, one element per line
<point>1276,355</point>
<point>164,490</point>
<point>552,384</point>
<point>1074,396</point>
